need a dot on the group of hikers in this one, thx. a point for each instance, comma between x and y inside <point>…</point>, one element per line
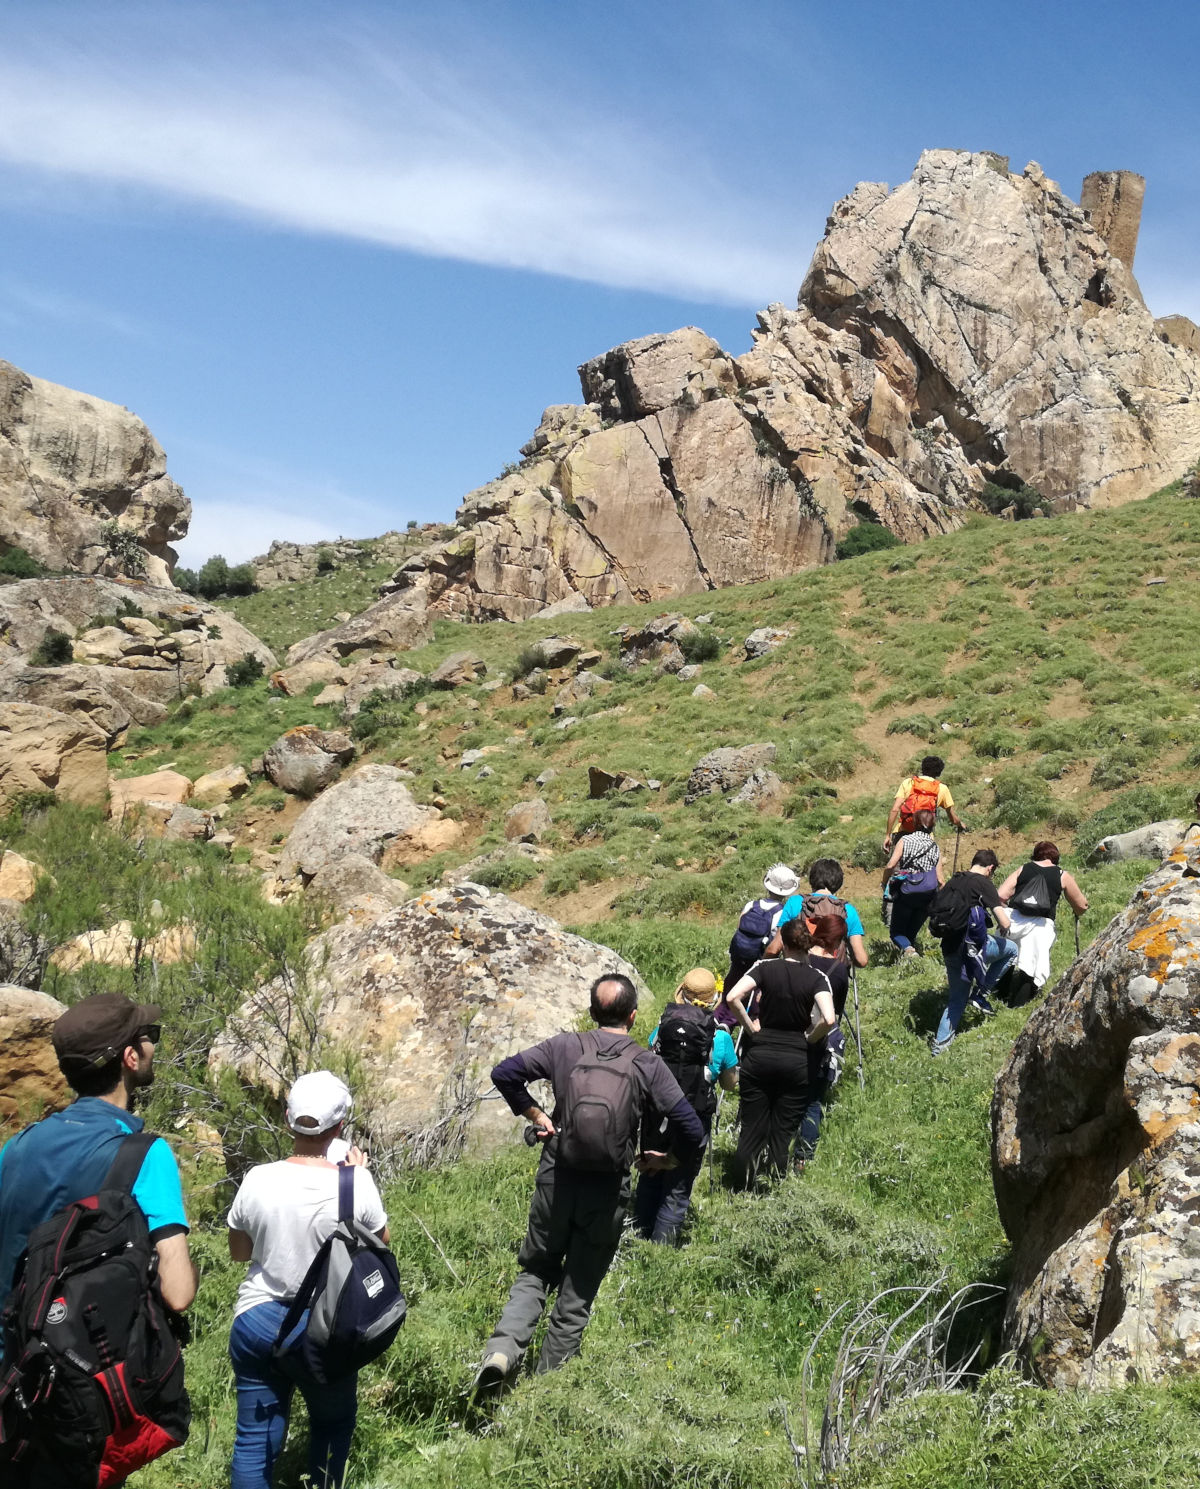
<point>94,1258</point>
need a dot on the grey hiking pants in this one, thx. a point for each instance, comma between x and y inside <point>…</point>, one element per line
<point>575,1222</point>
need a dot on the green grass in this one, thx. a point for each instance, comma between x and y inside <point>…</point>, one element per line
<point>289,612</point>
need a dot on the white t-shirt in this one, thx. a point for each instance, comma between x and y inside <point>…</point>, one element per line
<point>288,1210</point>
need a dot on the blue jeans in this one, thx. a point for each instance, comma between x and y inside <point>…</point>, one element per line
<point>909,914</point>
<point>662,1200</point>
<point>999,956</point>
<point>264,1399</point>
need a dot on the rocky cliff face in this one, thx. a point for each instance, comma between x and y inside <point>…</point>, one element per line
<point>1096,1149</point>
<point>970,325</point>
<point>83,483</point>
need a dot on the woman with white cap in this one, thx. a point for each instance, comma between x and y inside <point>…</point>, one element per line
<point>756,926</point>
<point>281,1214</point>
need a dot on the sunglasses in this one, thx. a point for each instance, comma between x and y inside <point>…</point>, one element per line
<point>152,1032</point>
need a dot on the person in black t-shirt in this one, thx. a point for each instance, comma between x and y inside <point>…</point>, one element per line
<point>1032,893</point>
<point>795,1008</point>
<point>999,953</point>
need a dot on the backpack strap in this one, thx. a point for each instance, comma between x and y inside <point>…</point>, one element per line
<point>345,1194</point>
<point>127,1165</point>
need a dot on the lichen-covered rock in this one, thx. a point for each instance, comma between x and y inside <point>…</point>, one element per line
<point>392,624</point>
<point>762,789</point>
<point>73,467</point>
<point>362,813</point>
<point>42,750</point>
<point>386,681</point>
<point>31,1084</point>
<point>1154,841</point>
<point>353,885</point>
<point>1096,1149</point>
<point>726,769</point>
<point>436,991</point>
<point>306,759</point>
<point>764,640</point>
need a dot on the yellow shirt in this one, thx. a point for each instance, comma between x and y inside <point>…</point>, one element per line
<point>944,799</point>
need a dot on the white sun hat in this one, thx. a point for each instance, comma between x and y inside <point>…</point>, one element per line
<point>317,1102</point>
<point>781,881</point>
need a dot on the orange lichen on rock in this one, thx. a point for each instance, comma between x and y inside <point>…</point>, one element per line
<point>1157,942</point>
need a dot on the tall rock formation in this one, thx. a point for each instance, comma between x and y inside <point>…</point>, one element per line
<point>970,325</point>
<point>83,483</point>
<point>1096,1149</point>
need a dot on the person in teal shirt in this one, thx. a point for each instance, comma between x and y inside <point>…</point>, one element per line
<point>825,877</point>
<point>700,1054</point>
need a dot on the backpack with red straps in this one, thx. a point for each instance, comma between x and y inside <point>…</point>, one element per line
<point>922,798</point>
<point>92,1380</point>
<point>826,921</point>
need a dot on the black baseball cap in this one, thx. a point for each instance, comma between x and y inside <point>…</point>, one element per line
<point>97,1030</point>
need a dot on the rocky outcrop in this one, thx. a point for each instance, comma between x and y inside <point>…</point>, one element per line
<point>1154,841</point>
<point>970,326</point>
<point>429,998</point>
<point>306,759</point>
<point>176,645</point>
<point>31,1084</point>
<point>41,750</point>
<point>298,563</point>
<point>83,483</point>
<point>726,769</point>
<point>354,886</point>
<point>1096,1149</point>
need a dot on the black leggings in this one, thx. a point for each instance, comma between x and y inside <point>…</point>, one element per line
<point>774,1097</point>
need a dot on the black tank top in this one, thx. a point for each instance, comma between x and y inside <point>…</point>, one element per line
<point>1027,884</point>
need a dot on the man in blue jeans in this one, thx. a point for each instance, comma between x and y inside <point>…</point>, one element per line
<point>999,953</point>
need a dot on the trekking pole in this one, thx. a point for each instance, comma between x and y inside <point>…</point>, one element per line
<point>957,835</point>
<point>862,1080</point>
<point>1077,935</point>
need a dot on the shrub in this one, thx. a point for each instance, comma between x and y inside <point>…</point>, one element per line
<point>586,867</point>
<point>55,649</point>
<point>995,743</point>
<point>125,608</point>
<point>700,646</point>
<point>527,660</point>
<point>867,537</point>
<point>1116,768</point>
<point>509,873</point>
<point>241,580</point>
<point>243,673</point>
<point>1020,800</point>
<point>411,524</point>
<point>21,565</point>
<point>187,580</point>
<point>213,578</point>
<point>326,563</point>
<point>124,547</point>
<point>1026,499</point>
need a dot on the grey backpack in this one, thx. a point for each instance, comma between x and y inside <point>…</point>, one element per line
<point>601,1109</point>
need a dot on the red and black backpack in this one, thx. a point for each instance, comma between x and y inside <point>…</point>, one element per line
<point>91,1385</point>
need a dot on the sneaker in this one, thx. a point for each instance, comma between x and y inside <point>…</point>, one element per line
<point>910,954</point>
<point>492,1376</point>
<point>980,1004</point>
<point>940,1046</point>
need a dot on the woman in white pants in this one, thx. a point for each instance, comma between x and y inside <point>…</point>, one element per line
<point>1032,893</point>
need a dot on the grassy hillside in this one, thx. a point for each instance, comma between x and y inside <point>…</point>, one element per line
<point>1069,690</point>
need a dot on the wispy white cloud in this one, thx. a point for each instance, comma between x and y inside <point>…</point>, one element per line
<point>379,142</point>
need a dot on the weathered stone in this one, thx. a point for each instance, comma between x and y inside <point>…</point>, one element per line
<point>333,695</point>
<point>459,669</point>
<point>394,623</point>
<point>557,651</point>
<point>763,789</point>
<point>656,641</point>
<point>217,786</point>
<point>765,639</point>
<point>528,821</point>
<point>700,691</point>
<point>388,682</point>
<point>689,673</point>
<point>102,693</point>
<point>1155,841</point>
<point>119,947</point>
<point>436,991</point>
<point>576,690</point>
<point>167,786</point>
<point>361,814</point>
<point>188,825</point>
<point>1096,1149</point>
<point>304,675</point>
<point>726,769</point>
<point>306,759</point>
<point>353,885</point>
<point>438,835</point>
<point>71,465</point>
<point>31,1084</point>
<point>41,750</point>
<point>298,563</point>
<point>19,877</point>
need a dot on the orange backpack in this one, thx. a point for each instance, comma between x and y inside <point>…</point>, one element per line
<point>922,798</point>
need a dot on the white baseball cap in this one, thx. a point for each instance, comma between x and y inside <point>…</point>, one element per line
<point>781,880</point>
<point>317,1102</point>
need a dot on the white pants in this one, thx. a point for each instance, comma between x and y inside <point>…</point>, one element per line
<point>1034,935</point>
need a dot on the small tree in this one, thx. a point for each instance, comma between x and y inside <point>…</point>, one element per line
<point>213,578</point>
<point>241,580</point>
<point>124,549</point>
<point>867,537</point>
<point>186,580</point>
<point>55,649</point>
<point>326,560</point>
<point>243,673</point>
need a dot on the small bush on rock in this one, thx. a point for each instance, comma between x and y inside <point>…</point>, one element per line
<point>243,673</point>
<point>702,646</point>
<point>55,649</point>
<point>20,565</point>
<point>508,874</point>
<point>867,537</point>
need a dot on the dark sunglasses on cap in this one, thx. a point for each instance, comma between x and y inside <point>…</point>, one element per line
<point>152,1032</point>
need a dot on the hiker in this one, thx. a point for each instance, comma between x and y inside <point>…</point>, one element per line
<point>960,914</point>
<point>911,878</point>
<point>825,879</point>
<point>603,1083</point>
<point>756,926</point>
<point>1032,893</point>
<point>795,1009</point>
<point>700,1054</point>
<point>280,1216</point>
<point>95,1150</point>
<point>925,791</point>
<point>826,1057</point>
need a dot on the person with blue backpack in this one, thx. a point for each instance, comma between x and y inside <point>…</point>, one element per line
<point>961,917</point>
<point>756,925</point>
<point>282,1217</point>
<point>911,878</point>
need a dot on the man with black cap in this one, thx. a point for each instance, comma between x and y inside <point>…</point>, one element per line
<point>105,1047</point>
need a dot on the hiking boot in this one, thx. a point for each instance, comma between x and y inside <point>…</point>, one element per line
<point>492,1376</point>
<point>979,1002</point>
<point>910,954</point>
<point>940,1046</point>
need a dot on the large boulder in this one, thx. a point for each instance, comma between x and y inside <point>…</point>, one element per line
<point>353,885</point>
<point>168,787</point>
<point>1154,841</point>
<point>527,821</point>
<point>103,693</point>
<point>42,750</point>
<point>392,624</point>
<point>1096,1149</point>
<point>726,769</point>
<point>306,759</point>
<point>31,1084</point>
<point>19,877</point>
<point>74,471</point>
<point>363,813</point>
<point>429,998</point>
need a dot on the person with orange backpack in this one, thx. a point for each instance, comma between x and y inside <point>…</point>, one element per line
<point>925,792</point>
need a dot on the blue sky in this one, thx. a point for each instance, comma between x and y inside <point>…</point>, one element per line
<point>340,256</point>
